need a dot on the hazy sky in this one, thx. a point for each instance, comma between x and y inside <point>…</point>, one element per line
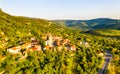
<point>63,9</point>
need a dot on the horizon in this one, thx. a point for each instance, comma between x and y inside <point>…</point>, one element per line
<point>61,19</point>
<point>63,10</point>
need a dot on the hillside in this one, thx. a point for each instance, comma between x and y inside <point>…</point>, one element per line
<point>19,33</point>
<point>99,23</point>
<point>17,29</point>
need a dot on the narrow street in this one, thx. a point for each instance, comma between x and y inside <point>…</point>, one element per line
<point>108,57</point>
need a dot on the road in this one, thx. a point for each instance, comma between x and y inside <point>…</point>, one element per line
<point>108,57</point>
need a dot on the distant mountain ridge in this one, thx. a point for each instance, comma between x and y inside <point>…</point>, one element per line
<point>98,23</point>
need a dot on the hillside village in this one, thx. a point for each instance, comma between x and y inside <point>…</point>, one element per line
<point>53,43</point>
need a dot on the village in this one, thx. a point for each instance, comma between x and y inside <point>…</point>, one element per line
<point>53,43</point>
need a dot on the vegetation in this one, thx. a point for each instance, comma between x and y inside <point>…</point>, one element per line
<point>98,23</point>
<point>109,32</point>
<point>15,30</point>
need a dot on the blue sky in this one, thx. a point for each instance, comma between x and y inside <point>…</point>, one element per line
<point>63,9</point>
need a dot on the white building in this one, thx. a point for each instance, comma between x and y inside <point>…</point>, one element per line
<point>14,50</point>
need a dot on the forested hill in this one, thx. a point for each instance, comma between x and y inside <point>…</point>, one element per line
<point>98,23</point>
<point>17,29</point>
<point>17,32</point>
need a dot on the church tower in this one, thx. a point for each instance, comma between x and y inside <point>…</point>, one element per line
<point>49,40</point>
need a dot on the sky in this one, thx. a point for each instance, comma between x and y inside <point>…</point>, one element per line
<point>62,9</point>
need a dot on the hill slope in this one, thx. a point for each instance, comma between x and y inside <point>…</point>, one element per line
<point>17,29</point>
